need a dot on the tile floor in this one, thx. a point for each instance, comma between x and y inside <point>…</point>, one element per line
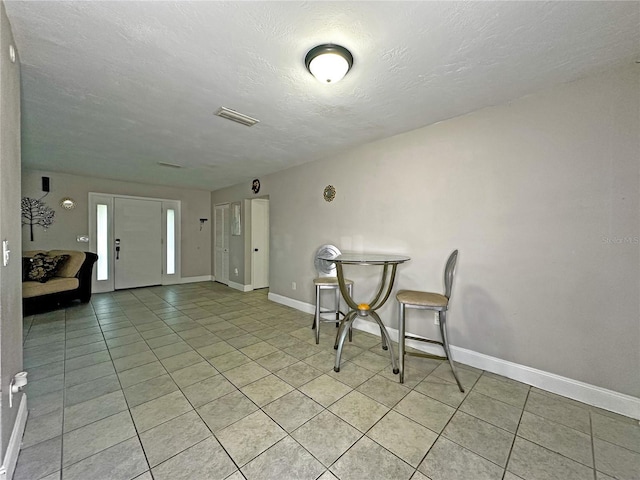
<point>203,382</point>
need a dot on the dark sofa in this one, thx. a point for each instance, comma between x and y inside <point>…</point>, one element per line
<point>71,282</point>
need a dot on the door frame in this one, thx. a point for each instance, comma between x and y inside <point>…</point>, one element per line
<point>108,285</point>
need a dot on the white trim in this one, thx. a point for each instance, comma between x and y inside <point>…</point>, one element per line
<point>221,225</point>
<point>201,278</point>
<point>176,206</point>
<point>134,197</point>
<point>95,198</point>
<point>239,286</point>
<point>13,447</point>
<point>567,387</point>
<point>290,302</point>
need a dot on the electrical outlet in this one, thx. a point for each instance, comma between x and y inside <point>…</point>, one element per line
<point>293,285</point>
<point>235,272</point>
<point>436,319</point>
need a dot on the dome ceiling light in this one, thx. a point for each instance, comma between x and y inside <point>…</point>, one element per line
<point>328,62</point>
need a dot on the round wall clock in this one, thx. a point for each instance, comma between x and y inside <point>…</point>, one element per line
<point>329,193</point>
<point>255,187</point>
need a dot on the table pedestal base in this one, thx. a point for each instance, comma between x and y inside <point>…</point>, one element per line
<point>366,309</point>
<point>346,327</point>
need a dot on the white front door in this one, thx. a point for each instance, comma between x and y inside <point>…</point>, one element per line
<point>260,243</point>
<point>137,243</point>
<point>221,248</point>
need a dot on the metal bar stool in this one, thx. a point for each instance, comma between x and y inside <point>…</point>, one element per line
<point>428,301</point>
<point>327,280</point>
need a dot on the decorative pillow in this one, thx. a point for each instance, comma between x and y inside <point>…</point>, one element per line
<point>43,267</point>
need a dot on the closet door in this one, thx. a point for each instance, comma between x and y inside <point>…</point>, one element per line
<point>260,243</point>
<point>221,249</point>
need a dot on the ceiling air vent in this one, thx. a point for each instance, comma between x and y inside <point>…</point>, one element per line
<point>237,117</point>
<point>170,165</point>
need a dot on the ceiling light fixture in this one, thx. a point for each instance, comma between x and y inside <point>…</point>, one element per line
<point>328,62</point>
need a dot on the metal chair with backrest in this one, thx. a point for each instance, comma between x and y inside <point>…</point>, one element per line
<point>327,280</point>
<point>428,301</point>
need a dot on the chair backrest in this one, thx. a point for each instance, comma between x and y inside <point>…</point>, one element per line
<point>326,268</point>
<point>449,271</point>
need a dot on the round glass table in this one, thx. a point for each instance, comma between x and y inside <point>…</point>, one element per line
<point>389,264</point>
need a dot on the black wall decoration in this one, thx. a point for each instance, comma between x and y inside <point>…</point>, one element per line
<point>36,212</point>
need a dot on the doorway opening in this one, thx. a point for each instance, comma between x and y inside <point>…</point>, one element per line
<point>247,258</point>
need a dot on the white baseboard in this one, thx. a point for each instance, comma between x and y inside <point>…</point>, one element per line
<point>13,447</point>
<point>239,286</point>
<point>290,302</point>
<point>567,387</point>
<point>201,278</point>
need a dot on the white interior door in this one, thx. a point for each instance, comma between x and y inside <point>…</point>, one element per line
<point>138,243</point>
<point>260,243</point>
<point>221,249</point>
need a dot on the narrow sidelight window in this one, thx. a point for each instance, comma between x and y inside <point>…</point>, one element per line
<point>171,242</point>
<point>102,235</point>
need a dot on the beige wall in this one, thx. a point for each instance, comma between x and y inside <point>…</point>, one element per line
<point>541,197</point>
<point>10,284</point>
<point>196,243</point>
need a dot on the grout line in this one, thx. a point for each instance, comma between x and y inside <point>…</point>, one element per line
<point>593,447</point>
<point>135,427</point>
<point>271,325</point>
<point>186,398</point>
<point>515,435</point>
<point>64,392</point>
<point>467,391</point>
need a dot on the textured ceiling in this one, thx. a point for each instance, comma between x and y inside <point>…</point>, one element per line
<point>112,88</point>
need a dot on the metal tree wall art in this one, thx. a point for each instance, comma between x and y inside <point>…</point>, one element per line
<point>36,212</point>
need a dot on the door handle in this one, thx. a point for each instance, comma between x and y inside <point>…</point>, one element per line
<point>117,242</point>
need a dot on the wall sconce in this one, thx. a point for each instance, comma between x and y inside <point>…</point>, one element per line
<point>68,203</point>
<point>202,220</point>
